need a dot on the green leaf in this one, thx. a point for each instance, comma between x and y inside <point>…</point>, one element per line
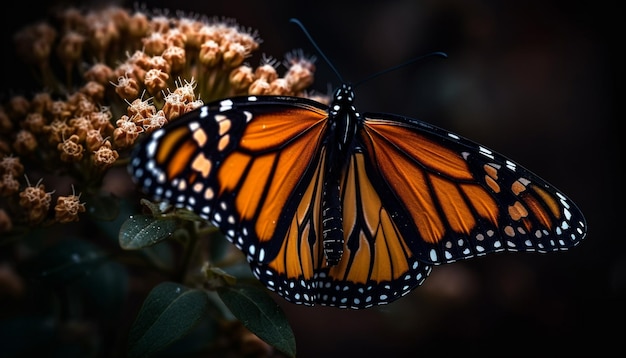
<point>168,314</point>
<point>260,314</point>
<point>141,231</point>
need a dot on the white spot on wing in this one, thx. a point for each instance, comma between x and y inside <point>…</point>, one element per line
<point>226,105</point>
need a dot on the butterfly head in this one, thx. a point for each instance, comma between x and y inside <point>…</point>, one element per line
<point>344,95</point>
<point>343,100</point>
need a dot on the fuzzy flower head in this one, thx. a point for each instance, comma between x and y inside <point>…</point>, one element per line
<point>111,76</point>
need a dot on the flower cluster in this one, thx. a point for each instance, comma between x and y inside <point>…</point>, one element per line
<point>123,73</point>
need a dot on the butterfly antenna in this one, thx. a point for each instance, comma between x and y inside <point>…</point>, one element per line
<point>317,48</point>
<point>419,58</point>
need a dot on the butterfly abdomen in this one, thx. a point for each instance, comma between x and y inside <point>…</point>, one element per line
<point>332,224</point>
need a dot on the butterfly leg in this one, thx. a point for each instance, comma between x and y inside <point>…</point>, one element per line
<point>332,225</point>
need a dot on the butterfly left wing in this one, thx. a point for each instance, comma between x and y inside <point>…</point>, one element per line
<point>453,199</point>
<point>241,163</point>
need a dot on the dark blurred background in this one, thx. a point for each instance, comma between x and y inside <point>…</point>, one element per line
<point>535,80</point>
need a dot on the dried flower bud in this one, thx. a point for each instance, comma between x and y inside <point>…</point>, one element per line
<point>174,106</point>
<point>127,88</point>
<point>25,142</point>
<point>139,109</point>
<point>34,43</point>
<point>259,87</point>
<point>154,121</point>
<point>156,81</point>
<point>100,73</point>
<point>34,122</point>
<point>93,139</point>
<point>266,72</point>
<point>60,110</point>
<point>189,28</point>
<point>101,121</point>
<point>154,44</point>
<point>72,18</point>
<point>8,185</point>
<point>234,55</point>
<point>81,104</point>
<point>70,48</point>
<point>94,90</point>
<point>300,76</point>
<point>175,38</point>
<point>241,78</point>
<point>159,63</point>
<point>40,51</point>
<point>138,25</point>
<point>129,70</point>
<point>280,87</point>
<point>11,165</point>
<point>186,91</point>
<point>140,59</point>
<point>35,202</point>
<point>160,24</point>
<point>126,132</point>
<point>100,36</point>
<point>41,103</point>
<point>210,54</point>
<point>18,107</point>
<point>175,57</point>
<point>71,150</point>
<point>247,39</point>
<point>190,106</point>
<point>80,126</point>
<point>104,157</point>
<point>67,208</point>
<point>56,131</point>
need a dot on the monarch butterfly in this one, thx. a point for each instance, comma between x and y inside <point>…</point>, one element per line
<point>344,209</point>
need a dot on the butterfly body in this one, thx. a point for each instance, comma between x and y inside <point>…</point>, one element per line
<point>343,120</point>
<point>344,209</point>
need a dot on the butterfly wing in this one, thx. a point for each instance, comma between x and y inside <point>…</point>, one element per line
<point>452,199</point>
<point>242,163</point>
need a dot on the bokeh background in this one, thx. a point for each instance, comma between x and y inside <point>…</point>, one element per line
<point>538,81</point>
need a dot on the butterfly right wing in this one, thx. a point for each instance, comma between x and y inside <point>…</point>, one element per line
<point>456,199</point>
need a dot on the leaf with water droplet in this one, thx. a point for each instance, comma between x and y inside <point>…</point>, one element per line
<point>141,231</point>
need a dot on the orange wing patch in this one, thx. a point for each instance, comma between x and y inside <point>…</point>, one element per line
<point>297,258</point>
<point>429,153</point>
<point>381,254</point>
<point>534,205</point>
<point>289,140</point>
<point>429,180</point>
